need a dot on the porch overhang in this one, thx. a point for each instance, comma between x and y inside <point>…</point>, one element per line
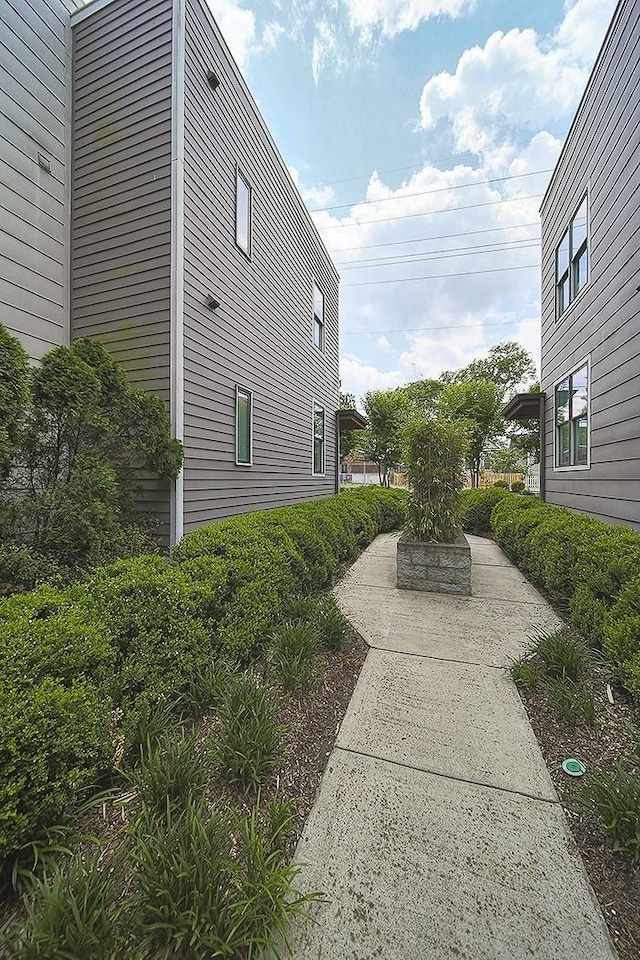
<point>524,406</point>
<point>350,420</point>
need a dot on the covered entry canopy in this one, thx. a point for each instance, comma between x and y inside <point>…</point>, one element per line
<point>524,406</point>
<point>350,420</point>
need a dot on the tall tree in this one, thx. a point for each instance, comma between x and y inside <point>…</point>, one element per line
<point>382,441</point>
<point>477,403</point>
<point>508,365</point>
<point>423,394</point>
<point>348,438</point>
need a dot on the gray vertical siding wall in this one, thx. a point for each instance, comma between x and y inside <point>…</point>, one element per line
<point>601,155</point>
<point>121,202</point>
<point>35,75</point>
<point>261,336</point>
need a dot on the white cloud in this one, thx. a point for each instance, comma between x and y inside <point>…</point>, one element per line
<point>517,82</point>
<point>391,17</point>
<point>314,196</point>
<point>383,344</point>
<point>358,378</point>
<point>238,27</point>
<point>324,47</point>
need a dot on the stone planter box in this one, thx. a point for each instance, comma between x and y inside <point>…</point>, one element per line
<point>436,567</point>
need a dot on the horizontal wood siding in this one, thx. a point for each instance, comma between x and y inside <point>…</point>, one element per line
<point>601,155</point>
<point>121,223</point>
<point>35,79</point>
<point>261,335</point>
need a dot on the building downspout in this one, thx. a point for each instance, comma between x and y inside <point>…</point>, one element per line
<point>177,257</point>
<point>543,452</point>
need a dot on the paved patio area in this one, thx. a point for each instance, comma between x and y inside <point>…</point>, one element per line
<point>437,832</point>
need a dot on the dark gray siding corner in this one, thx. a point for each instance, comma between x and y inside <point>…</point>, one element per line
<point>601,159</point>
<point>121,222</point>
<point>35,79</point>
<point>260,337</point>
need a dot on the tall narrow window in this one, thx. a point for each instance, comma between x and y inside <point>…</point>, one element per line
<point>243,213</point>
<point>318,317</point>
<point>318,439</point>
<point>572,260</point>
<point>244,426</point>
<point>572,419</point>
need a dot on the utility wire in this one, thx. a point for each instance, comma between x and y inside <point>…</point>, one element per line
<point>417,165</point>
<point>441,276</point>
<point>426,193</point>
<point>442,236</point>
<point>444,326</point>
<point>448,254</point>
<point>428,213</point>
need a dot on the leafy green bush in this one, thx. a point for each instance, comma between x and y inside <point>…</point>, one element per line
<point>83,441</point>
<point>588,566</point>
<point>622,636</point>
<point>55,741</point>
<point>501,485</point>
<point>518,486</point>
<point>434,453</point>
<point>476,507</point>
<point>141,641</point>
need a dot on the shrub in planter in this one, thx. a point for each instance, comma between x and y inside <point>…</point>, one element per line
<point>432,553</point>
<point>433,454</point>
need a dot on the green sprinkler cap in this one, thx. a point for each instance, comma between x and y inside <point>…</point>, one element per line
<point>575,768</point>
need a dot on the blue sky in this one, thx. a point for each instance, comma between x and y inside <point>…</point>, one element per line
<point>423,133</point>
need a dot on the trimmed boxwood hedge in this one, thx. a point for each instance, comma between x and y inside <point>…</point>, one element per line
<point>591,569</point>
<point>80,667</point>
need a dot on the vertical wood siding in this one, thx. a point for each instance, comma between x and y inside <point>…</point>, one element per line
<point>35,79</point>
<point>261,335</point>
<point>121,202</point>
<point>601,155</point>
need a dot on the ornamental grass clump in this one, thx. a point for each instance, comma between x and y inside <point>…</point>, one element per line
<point>434,452</point>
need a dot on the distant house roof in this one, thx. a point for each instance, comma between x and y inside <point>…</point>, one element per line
<point>524,406</point>
<point>350,420</point>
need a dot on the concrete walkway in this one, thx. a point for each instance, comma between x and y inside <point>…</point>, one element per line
<point>437,832</point>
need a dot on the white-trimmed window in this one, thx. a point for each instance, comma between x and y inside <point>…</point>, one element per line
<point>244,427</point>
<point>571,404</point>
<point>318,317</point>
<point>572,259</point>
<point>318,440</point>
<point>243,213</point>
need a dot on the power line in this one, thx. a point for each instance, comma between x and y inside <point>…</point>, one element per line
<point>425,193</point>
<point>429,213</point>
<point>413,166</point>
<point>441,276</point>
<point>443,326</point>
<point>447,254</point>
<point>442,236</point>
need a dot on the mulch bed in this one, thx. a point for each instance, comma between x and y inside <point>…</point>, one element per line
<point>613,875</point>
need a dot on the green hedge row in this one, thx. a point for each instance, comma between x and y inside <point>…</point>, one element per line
<point>81,668</point>
<point>590,568</point>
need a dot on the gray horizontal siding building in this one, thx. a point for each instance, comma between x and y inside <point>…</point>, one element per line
<point>591,292</point>
<point>170,229</point>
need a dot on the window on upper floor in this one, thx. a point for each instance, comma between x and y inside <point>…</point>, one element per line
<point>318,440</point>
<point>318,317</point>
<point>572,419</point>
<point>243,214</point>
<point>572,260</point>
<point>244,427</point>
